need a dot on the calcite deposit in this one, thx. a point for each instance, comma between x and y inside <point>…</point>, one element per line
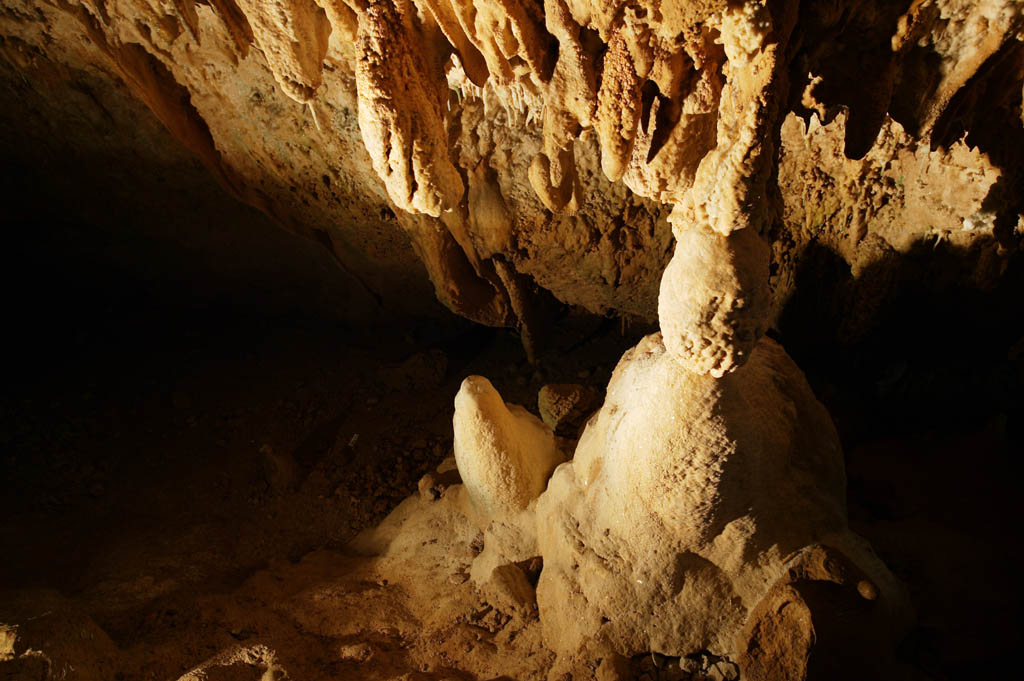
<point>516,152</point>
<point>702,510</point>
<point>714,299</point>
<point>565,408</point>
<point>505,454</point>
<point>292,35</point>
<point>671,162</point>
<point>687,497</point>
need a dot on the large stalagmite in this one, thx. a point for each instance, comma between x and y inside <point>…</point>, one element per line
<point>698,496</point>
<point>693,502</point>
<point>688,496</point>
<point>710,481</point>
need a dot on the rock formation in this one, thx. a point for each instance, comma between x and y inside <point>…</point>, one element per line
<point>505,454</point>
<point>48,638</point>
<point>711,472</point>
<point>520,152</point>
<point>687,497</point>
<point>714,300</point>
<point>704,508</point>
<point>662,161</point>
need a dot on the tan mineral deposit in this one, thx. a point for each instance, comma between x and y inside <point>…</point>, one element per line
<point>724,188</point>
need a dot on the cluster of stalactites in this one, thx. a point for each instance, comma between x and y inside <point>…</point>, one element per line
<point>648,78</point>
<point>679,96</point>
<point>402,53</point>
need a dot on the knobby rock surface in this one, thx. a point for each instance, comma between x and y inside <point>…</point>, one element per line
<point>518,154</point>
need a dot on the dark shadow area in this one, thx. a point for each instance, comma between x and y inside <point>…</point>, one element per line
<point>920,360</point>
<point>165,433</point>
<point>179,428</point>
<point>837,44</point>
<point>916,342</point>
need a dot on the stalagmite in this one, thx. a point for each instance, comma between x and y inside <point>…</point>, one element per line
<point>685,498</point>
<point>505,454</point>
<point>692,494</point>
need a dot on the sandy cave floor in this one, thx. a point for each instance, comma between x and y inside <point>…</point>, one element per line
<point>191,483</point>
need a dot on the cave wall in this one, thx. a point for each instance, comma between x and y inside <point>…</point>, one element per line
<point>507,157</point>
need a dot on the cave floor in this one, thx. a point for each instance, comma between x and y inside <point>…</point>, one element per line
<point>170,477</point>
<point>149,464</point>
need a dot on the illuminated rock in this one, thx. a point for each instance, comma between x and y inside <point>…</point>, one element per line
<point>505,454</point>
<point>686,497</point>
<point>713,304</point>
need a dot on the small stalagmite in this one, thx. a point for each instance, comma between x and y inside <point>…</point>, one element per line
<point>505,454</point>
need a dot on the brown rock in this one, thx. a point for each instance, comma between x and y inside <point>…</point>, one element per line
<point>820,620</point>
<point>566,406</point>
<point>43,636</point>
<point>434,136</point>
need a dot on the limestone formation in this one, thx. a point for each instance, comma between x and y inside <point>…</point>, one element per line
<point>584,123</point>
<point>244,662</point>
<point>684,501</point>
<point>714,299</point>
<point>565,407</point>
<point>44,636</point>
<point>293,36</point>
<point>505,454</point>
<point>691,505</point>
<point>710,464</point>
<point>521,154</point>
<point>818,620</point>
<point>400,111</point>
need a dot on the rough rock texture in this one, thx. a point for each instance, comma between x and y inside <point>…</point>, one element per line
<point>400,112</point>
<point>505,454</point>
<point>43,636</point>
<point>686,498</point>
<point>292,34</point>
<point>400,607</point>
<point>818,620</point>
<point>714,299</point>
<point>528,149</point>
<point>530,152</point>
<point>702,519</point>
<point>565,407</point>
